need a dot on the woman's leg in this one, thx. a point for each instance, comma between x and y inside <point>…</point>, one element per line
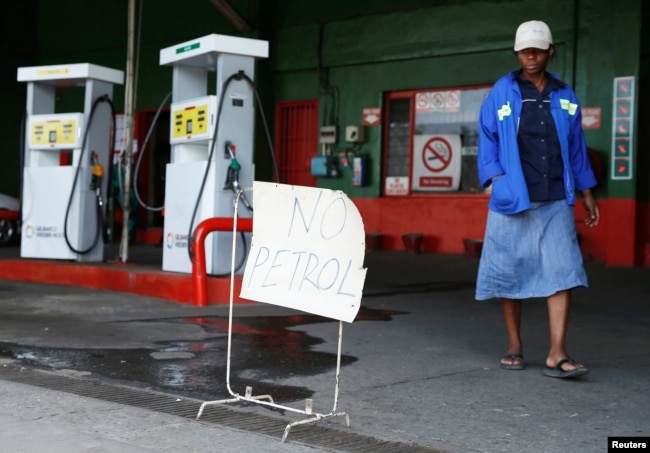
<point>512,316</point>
<point>558,317</point>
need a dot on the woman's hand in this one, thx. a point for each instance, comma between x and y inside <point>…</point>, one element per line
<point>591,208</point>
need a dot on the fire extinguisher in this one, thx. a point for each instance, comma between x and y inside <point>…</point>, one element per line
<point>359,171</point>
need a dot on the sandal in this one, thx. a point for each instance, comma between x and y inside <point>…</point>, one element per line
<point>558,372</point>
<point>512,365</point>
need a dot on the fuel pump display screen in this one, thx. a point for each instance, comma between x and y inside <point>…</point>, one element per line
<point>193,120</point>
<point>58,131</point>
<point>190,121</point>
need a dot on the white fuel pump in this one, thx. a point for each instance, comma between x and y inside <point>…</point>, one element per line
<point>64,157</point>
<point>211,137</point>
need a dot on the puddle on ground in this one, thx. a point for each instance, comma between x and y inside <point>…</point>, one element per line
<point>264,349</point>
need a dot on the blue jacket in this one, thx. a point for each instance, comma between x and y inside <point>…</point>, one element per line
<point>498,152</point>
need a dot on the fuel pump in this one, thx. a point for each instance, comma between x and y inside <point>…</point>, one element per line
<point>62,182</point>
<point>200,124</point>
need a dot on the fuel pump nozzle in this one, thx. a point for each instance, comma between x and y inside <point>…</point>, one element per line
<point>96,180</point>
<point>232,175</point>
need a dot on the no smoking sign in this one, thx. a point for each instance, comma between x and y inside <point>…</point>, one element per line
<point>436,162</point>
<point>437,154</point>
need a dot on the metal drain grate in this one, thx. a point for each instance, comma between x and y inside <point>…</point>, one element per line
<point>310,434</point>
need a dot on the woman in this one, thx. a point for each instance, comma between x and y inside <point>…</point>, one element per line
<point>532,152</point>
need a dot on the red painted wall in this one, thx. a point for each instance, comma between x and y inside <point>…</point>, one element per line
<point>447,220</point>
<point>444,221</point>
<point>643,222</point>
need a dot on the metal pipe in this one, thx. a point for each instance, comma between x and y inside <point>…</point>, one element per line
<point>197,252</point>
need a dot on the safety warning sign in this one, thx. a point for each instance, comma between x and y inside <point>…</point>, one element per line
<point>437,101</point>
<point>622,128</point>
<point>436,162</point>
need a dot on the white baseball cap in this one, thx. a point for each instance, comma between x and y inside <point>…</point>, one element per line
<point>533,33</point>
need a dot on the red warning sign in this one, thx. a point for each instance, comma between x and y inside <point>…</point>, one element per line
<point>371,116</point>
<point>591,117</point>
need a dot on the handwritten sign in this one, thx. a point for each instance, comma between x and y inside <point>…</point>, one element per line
<point>307,251</point>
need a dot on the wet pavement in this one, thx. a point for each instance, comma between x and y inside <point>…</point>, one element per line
<point>419,366</point>
<point>194,367</point>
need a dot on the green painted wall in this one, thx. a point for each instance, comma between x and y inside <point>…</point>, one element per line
<point>364,49</point>
<point>643,142</point>
<point>447,46</point>
<point>608,47</point>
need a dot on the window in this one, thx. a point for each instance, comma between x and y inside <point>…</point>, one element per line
<point>431,141</point>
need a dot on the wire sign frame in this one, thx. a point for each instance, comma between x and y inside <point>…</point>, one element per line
<point>267,400</point>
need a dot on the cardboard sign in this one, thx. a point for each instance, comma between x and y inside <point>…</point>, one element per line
<point>307,251</point>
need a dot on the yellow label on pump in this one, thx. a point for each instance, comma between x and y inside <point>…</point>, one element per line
<point>54,132</point>
<point>190,121</point>
<point>193,121</point>
<point>52,71</point>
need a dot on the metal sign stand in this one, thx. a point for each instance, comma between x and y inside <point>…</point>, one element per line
<point>267,400</point>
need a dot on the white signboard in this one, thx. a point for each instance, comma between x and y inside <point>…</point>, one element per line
<point>436,162</point>
<point>307,251</point>
<point>396,185</point>
<point>120,139</point>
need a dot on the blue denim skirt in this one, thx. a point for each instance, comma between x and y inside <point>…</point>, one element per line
<point>534,253</point>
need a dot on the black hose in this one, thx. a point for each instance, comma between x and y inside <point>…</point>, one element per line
<point>136,171</point>
<point>100,211</point>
